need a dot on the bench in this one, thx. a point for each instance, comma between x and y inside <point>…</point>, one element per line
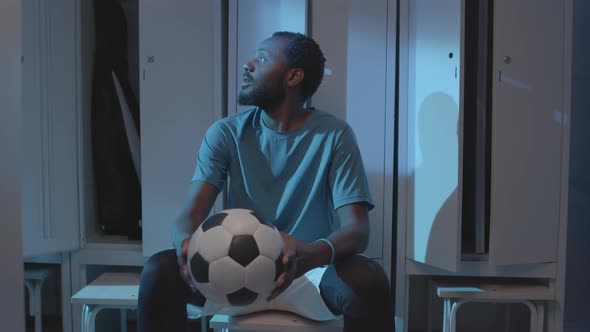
<point>112,290</point>
<point>455,294</point>
<point>116,290</point>
<point>272,321</point>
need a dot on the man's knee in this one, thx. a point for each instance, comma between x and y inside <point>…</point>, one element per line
<point>366,278</point>
<point>161,269</point>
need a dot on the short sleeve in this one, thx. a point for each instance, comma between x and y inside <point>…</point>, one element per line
<point>213,157</point>
<point>348,179</point>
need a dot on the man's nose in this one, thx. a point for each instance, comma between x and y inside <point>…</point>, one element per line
<point>248,68</point>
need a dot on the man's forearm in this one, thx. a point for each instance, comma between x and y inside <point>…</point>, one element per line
<point>182,228</point>
<point>349,240</point>
<point>199,203</point>
<point>187,224</point>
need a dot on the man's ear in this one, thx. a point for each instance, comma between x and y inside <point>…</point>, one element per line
<point>294,77</point>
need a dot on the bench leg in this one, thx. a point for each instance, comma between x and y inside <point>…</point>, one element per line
<point>429,306</point>
<point>446,315</point>
<point>203,323</point>
<point>540,316</point>
<point>533,309</point>
<point>89,313</point>
<point>85,315</point>
<point>123,320</point>
<point>507,314</point>
<point>35,302</point>
<point>453,315</point>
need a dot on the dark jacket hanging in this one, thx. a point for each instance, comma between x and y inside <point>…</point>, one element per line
<point>118,191</point>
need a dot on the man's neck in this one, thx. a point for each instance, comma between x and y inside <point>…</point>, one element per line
<point>285,117</point>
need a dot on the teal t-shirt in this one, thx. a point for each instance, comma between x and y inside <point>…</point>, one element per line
<point>294,180</point>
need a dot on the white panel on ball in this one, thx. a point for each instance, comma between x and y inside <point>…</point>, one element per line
<point>260,276</point>
<point>240,222</point>
<point>226,276</point>
<point>214,244</point>
<point>270,242</point>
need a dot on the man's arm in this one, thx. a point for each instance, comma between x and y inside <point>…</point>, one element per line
<point>350,239</point>
<point>200,200</point>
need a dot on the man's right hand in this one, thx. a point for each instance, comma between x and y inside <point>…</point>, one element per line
<point>182,264</point>
<point>200,199</point>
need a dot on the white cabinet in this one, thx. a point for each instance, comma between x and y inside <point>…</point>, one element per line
<point>177,106</point>
<point>12,304</point>
<point>528,119</point>
<point>180,70</point>
<point>434,137</point>
<point>50,126</point>
<point>524,174</point>
<point>178,103</point>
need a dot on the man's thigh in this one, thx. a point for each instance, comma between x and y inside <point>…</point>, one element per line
<point>353,285</point>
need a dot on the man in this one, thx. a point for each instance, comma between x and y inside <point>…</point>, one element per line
<point>299,168</point>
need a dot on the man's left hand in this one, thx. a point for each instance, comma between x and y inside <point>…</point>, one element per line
<point>295,261</point>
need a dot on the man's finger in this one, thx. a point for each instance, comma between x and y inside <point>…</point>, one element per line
<point>280,279</point>
<point>184,273</point>
<point>284,280</point>
<point>277,291</point>
<point>181,261</point>
<point>279,286</point>
<point>184,247</point>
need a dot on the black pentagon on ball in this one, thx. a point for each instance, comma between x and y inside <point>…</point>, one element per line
<point>242,297</point>
<point>243,249</point>
<point>213,221</point>
<point>199,268</point>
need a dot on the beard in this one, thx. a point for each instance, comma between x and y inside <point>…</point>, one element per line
<point>262,95</point>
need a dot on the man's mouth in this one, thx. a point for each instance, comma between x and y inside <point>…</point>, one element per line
<point>246,81</point>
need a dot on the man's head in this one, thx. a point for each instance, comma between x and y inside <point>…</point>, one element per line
<point>287,63</point>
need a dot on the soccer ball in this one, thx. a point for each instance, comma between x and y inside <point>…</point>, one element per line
<point>235,258</point>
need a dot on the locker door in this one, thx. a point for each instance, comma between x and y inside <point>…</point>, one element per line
<point>50,207</point>
<point>527,130</point>
<point>435,62</point>
<point>11,150</point>
<point>177,106</point>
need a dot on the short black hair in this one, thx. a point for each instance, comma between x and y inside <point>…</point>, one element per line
<point>303,52</point>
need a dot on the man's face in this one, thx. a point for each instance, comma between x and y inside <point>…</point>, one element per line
<point>263,82</point>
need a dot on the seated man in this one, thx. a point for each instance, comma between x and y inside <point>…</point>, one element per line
<point>294,167</point>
